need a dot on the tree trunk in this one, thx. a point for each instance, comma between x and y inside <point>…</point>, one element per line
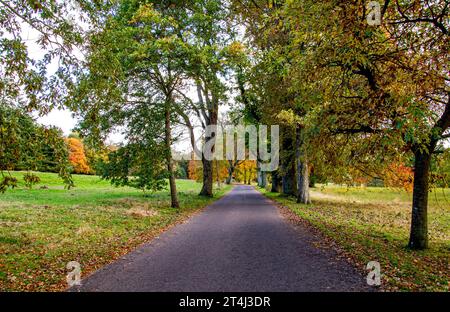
<point>261,176</point>
<point>217,174</point>
<point>302,169</point>
<point>287,163</point>
<point>312,177</point>
<point>207,188</point>
<point>419,228</point>
<point>287,181</point>
<point>263,179</point>
<point>230,176</point>
<point>258,176</point>
<point>230,171</point>
<point>169,160</point>
<point>288,177</point>
<point>275,182</point>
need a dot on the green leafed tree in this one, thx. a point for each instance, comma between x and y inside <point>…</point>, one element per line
<point>56,29</point>
<point>137,165</point>
<point>135,65</point>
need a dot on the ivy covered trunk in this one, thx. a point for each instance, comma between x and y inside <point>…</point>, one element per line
<point>419,224</point>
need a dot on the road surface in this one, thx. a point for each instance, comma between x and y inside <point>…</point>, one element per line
<point>239,243</point>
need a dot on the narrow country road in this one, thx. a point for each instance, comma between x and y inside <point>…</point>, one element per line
<point>239,243</point>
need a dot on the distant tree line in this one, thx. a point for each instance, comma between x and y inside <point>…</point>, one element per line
<point>26,145</point>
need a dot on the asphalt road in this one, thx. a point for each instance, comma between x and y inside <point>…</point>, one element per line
<point>239,243</point>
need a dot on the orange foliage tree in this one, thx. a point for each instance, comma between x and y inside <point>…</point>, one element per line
<point>399,175</point>
<point>220,171</point>
<point>194,170</point>
<point>246,171</point>
<point>77,156</point>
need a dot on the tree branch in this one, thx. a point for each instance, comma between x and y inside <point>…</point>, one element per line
<point>362,129</point>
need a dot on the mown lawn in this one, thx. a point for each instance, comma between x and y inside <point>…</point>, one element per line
<point>372,224</point>
<point>94,223</point>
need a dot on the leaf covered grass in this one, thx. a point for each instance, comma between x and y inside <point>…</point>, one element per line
<point>372,224</point>
<point>41,230</point>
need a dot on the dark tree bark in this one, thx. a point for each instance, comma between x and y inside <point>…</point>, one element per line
<point>210,116</point>
<point>169,160</point>
<point>302,169</point>
<point>418,238</point>
<point>275,182</point>
<point>230,175</point>
<point>231,168</point>
<point>288,180</point>
<point>419,226</point>
<point>207,188</point>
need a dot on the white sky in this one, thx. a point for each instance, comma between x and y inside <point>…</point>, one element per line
<point>60,118</point>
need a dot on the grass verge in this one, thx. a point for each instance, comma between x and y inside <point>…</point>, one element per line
<point>372,224</point>
<point>44,228</point>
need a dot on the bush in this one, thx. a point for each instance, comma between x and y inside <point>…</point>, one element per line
<point>7,182</point>
<point>30,180</point>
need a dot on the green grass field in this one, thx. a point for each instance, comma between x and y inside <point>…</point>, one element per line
<point>372,224</point>
<point>94,223</point>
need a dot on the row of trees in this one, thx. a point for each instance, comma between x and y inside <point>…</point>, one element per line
<point>352,98</point>
<point>225,171</point>
<point>143,62</point>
